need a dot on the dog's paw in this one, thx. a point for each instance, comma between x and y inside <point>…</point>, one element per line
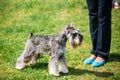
<point>65,72</point>
<point>54,73</point>
<point>63,69</point>
<point>19,67</point>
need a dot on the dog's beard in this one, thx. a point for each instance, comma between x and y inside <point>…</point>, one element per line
<point>74,42</point>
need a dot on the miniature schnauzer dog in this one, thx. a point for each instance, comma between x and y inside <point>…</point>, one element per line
<point>52,45</point>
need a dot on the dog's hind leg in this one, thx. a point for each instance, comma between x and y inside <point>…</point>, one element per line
<point>20,64</point>
<point>34,58</point>
<point>25,58</point>
<point>62,66</point>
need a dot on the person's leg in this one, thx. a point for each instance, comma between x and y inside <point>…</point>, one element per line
<point>114,1</point>
<point>93,16</point>
<point>104,30</point>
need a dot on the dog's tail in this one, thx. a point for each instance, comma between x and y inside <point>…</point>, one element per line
<point>30,35</point>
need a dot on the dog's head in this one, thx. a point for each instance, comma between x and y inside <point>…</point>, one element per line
<point>73,35</point>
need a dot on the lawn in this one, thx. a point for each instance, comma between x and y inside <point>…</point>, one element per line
<point>20,17</point>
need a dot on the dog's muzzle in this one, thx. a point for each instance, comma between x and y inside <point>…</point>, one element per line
<point>76,40</point>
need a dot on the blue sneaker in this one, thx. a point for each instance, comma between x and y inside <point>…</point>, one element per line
<point>98,64</point>
<point>89,61</point>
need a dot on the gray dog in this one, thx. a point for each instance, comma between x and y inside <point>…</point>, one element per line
<point>52,45</point>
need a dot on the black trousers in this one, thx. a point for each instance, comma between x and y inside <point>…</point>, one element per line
<point>100,26</point>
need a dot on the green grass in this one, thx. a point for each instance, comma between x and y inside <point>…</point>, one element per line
<point>20,17</point>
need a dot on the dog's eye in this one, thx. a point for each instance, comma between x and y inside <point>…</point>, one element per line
<point>74,34</point>
<point>68,32</point>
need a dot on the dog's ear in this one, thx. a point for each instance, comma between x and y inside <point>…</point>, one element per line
<point>78,30</point>
<point>30,35</point>
<point>70,26</point>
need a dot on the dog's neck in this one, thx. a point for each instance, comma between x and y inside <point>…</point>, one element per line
<point>62,36</point>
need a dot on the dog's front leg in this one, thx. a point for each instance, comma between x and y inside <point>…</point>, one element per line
<point>62,64</point>
<point>53,66</point>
